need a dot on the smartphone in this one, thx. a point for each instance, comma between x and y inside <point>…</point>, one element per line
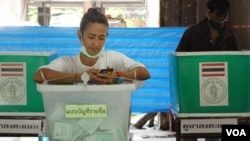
<point>107,71</point>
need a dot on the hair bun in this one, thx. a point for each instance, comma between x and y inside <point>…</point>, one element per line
<point>93,10</point>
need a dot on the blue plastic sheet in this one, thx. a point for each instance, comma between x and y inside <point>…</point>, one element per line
<point>147,45</point>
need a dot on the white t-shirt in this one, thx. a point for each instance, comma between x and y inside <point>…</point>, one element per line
<point>111,59</point>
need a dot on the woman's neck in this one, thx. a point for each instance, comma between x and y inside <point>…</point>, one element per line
<point>87,61</point>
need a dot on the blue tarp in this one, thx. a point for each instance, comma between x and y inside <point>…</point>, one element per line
<point>147,45</point>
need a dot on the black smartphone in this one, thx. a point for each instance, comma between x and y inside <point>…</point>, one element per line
<point>107,71</point>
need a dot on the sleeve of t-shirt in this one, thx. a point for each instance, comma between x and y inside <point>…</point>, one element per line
<point>63,64</point>
<point>123,62</point>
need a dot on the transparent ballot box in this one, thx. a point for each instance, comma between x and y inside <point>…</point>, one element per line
<point>210,82</point>
<point>87,112</point>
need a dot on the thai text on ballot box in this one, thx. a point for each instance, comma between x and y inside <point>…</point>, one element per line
<point>235,132</point>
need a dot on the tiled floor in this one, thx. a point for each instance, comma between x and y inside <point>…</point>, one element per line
<point>154,135</point>
<point>151,135</point>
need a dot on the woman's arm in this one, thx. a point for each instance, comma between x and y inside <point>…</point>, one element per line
<point>46,75</point>
<point>137,73</point>
<point>55,77</point>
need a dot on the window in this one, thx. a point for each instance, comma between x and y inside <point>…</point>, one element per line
<point>128,16</point>
<point>65,16</point>
<point>121,13</point>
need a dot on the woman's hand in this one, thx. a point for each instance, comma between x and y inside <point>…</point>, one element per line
<point>101,78</point>
<point>106,78</point>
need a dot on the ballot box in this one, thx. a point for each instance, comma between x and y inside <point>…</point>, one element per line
<point>18,92</point>
<point>21,105</point>
<point>87,112</point>
<point>208,90</point>
<point>210,82</point>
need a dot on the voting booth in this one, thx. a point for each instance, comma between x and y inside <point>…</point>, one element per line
<point>209,89</point>
<point>87,112</point>
<point>21,106</point>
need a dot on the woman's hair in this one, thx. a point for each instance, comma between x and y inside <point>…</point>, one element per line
<point>218,5</point>
<point>93,16</point>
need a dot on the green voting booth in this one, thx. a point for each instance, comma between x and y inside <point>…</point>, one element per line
<point>20,102</point>
<point>208,90</point>
<point>210,82</point>
<point>17,88</point>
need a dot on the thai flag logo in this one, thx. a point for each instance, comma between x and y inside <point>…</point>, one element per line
<point>213,69</point>
<point>12,69</point>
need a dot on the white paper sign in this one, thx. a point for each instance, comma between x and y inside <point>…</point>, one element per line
<point>13,83</point>
<point>213,84</point>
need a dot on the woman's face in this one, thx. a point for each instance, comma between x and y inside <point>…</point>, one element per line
<point>94,37</point>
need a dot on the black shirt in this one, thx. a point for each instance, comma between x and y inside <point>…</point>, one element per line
<point>197,37</point>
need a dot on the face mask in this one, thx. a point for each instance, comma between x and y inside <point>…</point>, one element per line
<point>216,25</point>
<point>85,52</point>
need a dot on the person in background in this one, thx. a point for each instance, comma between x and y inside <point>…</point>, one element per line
<point>92,58</point>
<point>210,34</point>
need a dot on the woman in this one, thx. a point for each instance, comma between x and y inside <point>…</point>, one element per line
<point>93,33</point>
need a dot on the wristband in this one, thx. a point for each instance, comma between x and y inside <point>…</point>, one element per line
<point>119,74</point>
<point>120,78</point>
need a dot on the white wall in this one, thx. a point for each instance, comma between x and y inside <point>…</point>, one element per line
<point>153,13</point>
<point>12,12</point>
